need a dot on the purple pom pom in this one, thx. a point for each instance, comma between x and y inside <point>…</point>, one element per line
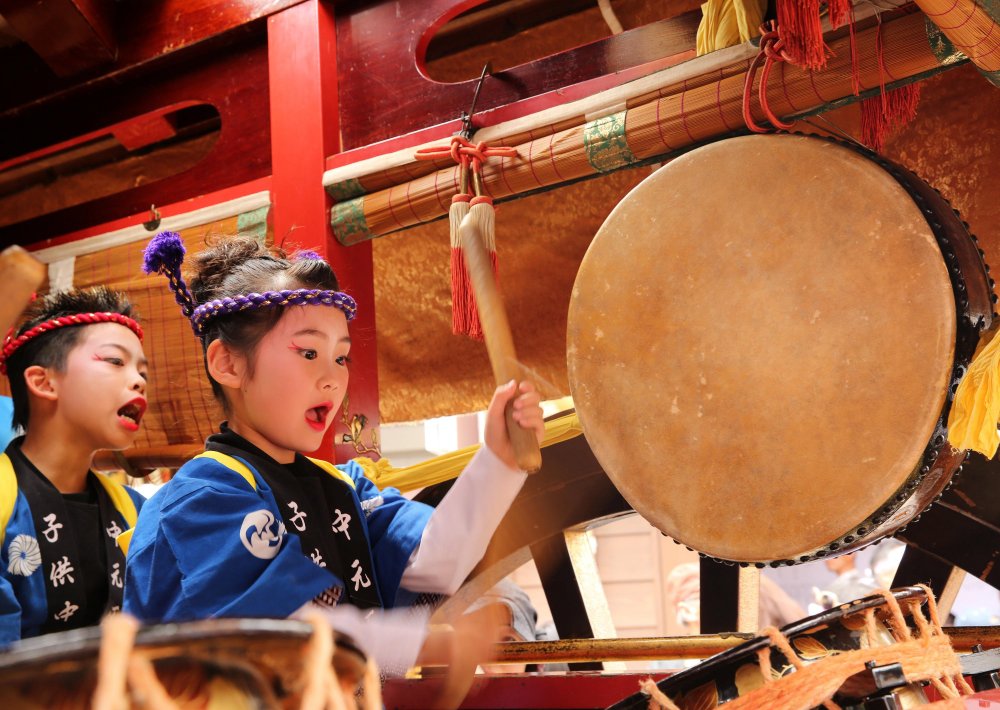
<point>306,254</point>
<point>164,254</point>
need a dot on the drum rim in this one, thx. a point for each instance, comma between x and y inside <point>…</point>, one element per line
<point>83,643</point>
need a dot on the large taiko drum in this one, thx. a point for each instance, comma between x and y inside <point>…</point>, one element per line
<point>763,340</point>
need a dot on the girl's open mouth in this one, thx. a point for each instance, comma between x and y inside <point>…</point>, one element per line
<point>316,417</point>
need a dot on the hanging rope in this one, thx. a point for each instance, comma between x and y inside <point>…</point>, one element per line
<point>772,51</point>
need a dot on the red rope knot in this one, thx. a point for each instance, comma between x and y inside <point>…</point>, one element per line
<point>772,51</point>
<point>466,154</point>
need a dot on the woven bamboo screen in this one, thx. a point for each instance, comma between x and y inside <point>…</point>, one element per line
<point>672,118</point>
<point>181,407</point>
<point>972,27</point>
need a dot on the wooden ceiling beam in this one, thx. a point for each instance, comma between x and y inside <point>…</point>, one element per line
<point>71,36</point>
<point>155,31</point>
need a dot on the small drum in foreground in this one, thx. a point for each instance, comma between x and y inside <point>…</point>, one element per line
<point>888,629</point>
<point>762,341</point>
<point>232,663</point>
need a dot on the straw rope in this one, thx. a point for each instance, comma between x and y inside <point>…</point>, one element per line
<point>322,689</point>
<point>928,656</point>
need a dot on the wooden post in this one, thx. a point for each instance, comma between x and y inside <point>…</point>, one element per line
<point>305,128</point>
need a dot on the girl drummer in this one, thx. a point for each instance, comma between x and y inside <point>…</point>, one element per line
<point>254,528</point>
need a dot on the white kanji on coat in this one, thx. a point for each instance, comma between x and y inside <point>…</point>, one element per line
<point>67,612</point>
<point>113,530</point>
<point>340,523</point>
<point>62,570</point>
<point>51,533</point>
<point>317,557</point>
<point>359,578</point>
<point>299,519</point>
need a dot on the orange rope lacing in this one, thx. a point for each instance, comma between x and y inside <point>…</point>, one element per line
<point>926,657</point>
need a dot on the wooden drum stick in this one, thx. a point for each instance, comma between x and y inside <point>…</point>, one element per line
<point>21,274</point>
<point>499,342</point>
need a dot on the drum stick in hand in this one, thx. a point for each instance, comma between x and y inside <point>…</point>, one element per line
<point>21,274</point>
<point>499,342</point>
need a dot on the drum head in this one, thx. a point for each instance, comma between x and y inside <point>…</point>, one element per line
<point>760,339</point>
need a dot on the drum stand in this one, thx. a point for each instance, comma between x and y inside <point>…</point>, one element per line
<point>958,534</point>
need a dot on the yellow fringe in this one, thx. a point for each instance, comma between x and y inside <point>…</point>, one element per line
<point>975,411</point>
<point>444,468</point>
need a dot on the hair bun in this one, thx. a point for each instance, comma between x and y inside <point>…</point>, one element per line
<point>214,264</point>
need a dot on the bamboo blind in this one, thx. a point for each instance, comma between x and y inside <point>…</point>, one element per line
<point>181,407</point>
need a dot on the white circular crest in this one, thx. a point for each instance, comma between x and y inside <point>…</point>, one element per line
<point>24,555</point>
<point>261,533</point>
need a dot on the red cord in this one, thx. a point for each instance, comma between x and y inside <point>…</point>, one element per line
<point>772,51</point>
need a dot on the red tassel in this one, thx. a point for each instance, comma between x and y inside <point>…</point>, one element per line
<point>461,290</point>
<point>798,21</point>
<point>841,12</point>
<point>882,115</point>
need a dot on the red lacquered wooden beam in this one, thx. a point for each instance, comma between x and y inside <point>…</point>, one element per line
<point>235,83</point>
<point>384,93</point>
<point>304,129</point>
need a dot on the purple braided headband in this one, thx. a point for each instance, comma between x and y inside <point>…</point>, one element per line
<point>298,297</point>
<point>165,253</point>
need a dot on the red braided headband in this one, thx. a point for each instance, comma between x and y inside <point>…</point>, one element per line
<point>12,344</point>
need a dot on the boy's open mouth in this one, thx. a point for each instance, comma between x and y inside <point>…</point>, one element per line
<point>131,414</point>
<point>316,416</point>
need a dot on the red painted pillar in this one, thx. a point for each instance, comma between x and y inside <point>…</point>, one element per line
<point>302,69</point>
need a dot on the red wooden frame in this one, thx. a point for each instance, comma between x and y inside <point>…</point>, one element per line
<point>235,83</point>
<point>303,78</point>
<point>375,66</point>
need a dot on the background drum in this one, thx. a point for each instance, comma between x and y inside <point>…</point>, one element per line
<point>883,626</point>
<point>225,663</point>
<point>762,342</point>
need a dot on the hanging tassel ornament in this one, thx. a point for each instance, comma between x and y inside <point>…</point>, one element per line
<point>472,200</point>
<point>802,29</point>
<point>882,115</point>
<point>803,33</point>
<point>889,111</point>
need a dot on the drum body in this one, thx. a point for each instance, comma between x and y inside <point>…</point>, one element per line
<point>736,672</point>
<point>763,339</point>
<point>232,663</point>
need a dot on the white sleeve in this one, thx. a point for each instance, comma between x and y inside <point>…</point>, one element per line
<point>461,526</point>
<point>393,637</point>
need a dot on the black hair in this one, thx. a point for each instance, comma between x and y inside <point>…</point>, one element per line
<point>52,348</point>
<point>236,265</point>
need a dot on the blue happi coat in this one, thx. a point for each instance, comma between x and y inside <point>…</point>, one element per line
<point>211,544</point>
<point>23,599</point>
